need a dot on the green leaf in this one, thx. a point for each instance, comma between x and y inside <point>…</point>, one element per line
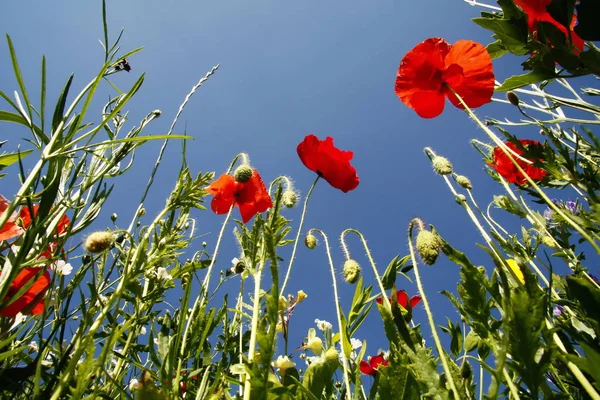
<point>60,105</point>
<point>396,381</point>
<point>18,76</point>
<point>588,296</point>
<point>535,76</point>
<point>496,49</point>
<point>12,117</point>
<point>11,158</point>
<point>591,60</point>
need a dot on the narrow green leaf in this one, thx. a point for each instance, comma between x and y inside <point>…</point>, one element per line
<point>11,158</point>
<point>60,105</point>
<point>18,76</point>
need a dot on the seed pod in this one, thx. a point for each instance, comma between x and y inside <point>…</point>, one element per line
<point>98,242</point>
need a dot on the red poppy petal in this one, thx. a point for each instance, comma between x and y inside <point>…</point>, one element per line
<point>366,369</point>
<point>376,360</point>
<point>308,151</point>
<point>469,72</point>
<point>252,197</point>
<point>32,301</point>
<point>419,81</point>
<point>414,301</point>
<point>379,300</point>
<point>402,298</point>
<point>10,230</point>
<point>223,190</point>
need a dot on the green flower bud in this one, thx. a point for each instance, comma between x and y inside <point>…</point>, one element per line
<point>351,271</point>
<point>513,98</point>
<point>428,245</point>
<point>243,173</point>
<point>441,165</point>
<point>97,242</point>
<point>113,217</point>
<point>548,241</point>
<point>464,182</point>
<point>332,356</point>
<point>460,198</point>
<point>310,241</point>
<point>289,198</point>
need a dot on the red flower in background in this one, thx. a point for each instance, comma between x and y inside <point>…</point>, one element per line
<point>536,12</point>
<point>403,299</point>
<point>251,196</point>
<point>505,167</point>
<point>427,71</point>
<point>10,229</point>
<point>370,368</point>
<point>32,301</point>
<point>329,162</point>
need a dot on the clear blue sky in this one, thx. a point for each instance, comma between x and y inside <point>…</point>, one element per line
<point>287,69</point>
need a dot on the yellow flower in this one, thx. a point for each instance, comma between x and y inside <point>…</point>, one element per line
<point>314,342</point>
<point>301,296</point>
<point>515,268</point>
<point>283,363</point>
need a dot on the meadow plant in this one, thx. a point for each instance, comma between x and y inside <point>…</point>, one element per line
<point>89,320</point>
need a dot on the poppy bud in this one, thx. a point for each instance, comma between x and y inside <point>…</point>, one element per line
<point>481,270</point>
<point>97,242</point>
<point>464,182</point>
<point>289,198</point>
<point>142,212</point>
<point>460,198</point>
<point>239,267</point>
<point>513,98</point>
<point>243,173</point>
<point>441,165</point>
<point>351,271</point>
<point>428,245</point>
<point>113,217</point>
<point>310,241</point>
<point>465,370</point>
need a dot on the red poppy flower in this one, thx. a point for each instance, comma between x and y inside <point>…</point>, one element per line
<point>403,299</point>
<point>536,12</point>
<point>428,70</point>
<point>10,229</point>
<point>329,162</point>
<point>370,368</point>
<point>504,166</point>
<point>61,228</point>
<point>32,301</point>
<point>251,196</point>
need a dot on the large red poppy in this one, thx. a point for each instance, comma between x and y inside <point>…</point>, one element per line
<point>536,12</point>
<point>505,167</point>
<point>403,299</point>
<point>32,301</point>
<point>371,367</point>
<point>428,71</point>
<point>251,197</point>
<point>329,162</point>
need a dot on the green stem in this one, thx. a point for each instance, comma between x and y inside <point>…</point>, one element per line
<point>289,269</point>
<point>254,328</point>
<point>434,333</point>
<point>338,312</point>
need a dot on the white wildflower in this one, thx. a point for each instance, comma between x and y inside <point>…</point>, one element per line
<point>134,384</point>
<point>33,347</point>
<point>143,330</point>
<point>323,325</point>
<point>311,359</point>
<point>62,268</point>
<point>163,274</point>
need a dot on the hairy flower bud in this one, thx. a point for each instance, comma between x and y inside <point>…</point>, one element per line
<point>289,198</point>
<point>331,355</point>
<point>243,173</point>
<point>310,241</point>
<point>464,182</point>
<point>513,98</point>
<point>428,245</point>
<point>113,217</point>
<point>441,165</point>
<point>351,271</point>
<point>97,242</point>
<point>548,241</point>
<point>460,198</point>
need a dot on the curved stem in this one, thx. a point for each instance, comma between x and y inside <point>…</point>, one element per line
<point>385,300</point>
<point>338,311</point>
<point>289,269</point>
<point>436,338</point>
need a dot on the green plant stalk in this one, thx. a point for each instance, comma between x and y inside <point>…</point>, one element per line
<point>289,268</point>
<point>203,295</point>
<point>254,327</point>
<point>436,338</point>
<point>338,313</point>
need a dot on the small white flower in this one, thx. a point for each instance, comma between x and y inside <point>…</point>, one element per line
<point>356,344</point>
<point>234,261</point>
<point>156,341</point>
<point>323,325</point>
<point>163,274</point>
<point>33,347</point>
<point>134,384</point>
<point>143,330</point>
<point>62,268</point>
<point>103,299</point>
<point>19,319</point>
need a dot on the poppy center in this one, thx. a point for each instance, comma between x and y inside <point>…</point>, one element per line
<point>429,77</point>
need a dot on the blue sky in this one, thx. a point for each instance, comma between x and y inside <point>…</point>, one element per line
<point>287,69</point>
